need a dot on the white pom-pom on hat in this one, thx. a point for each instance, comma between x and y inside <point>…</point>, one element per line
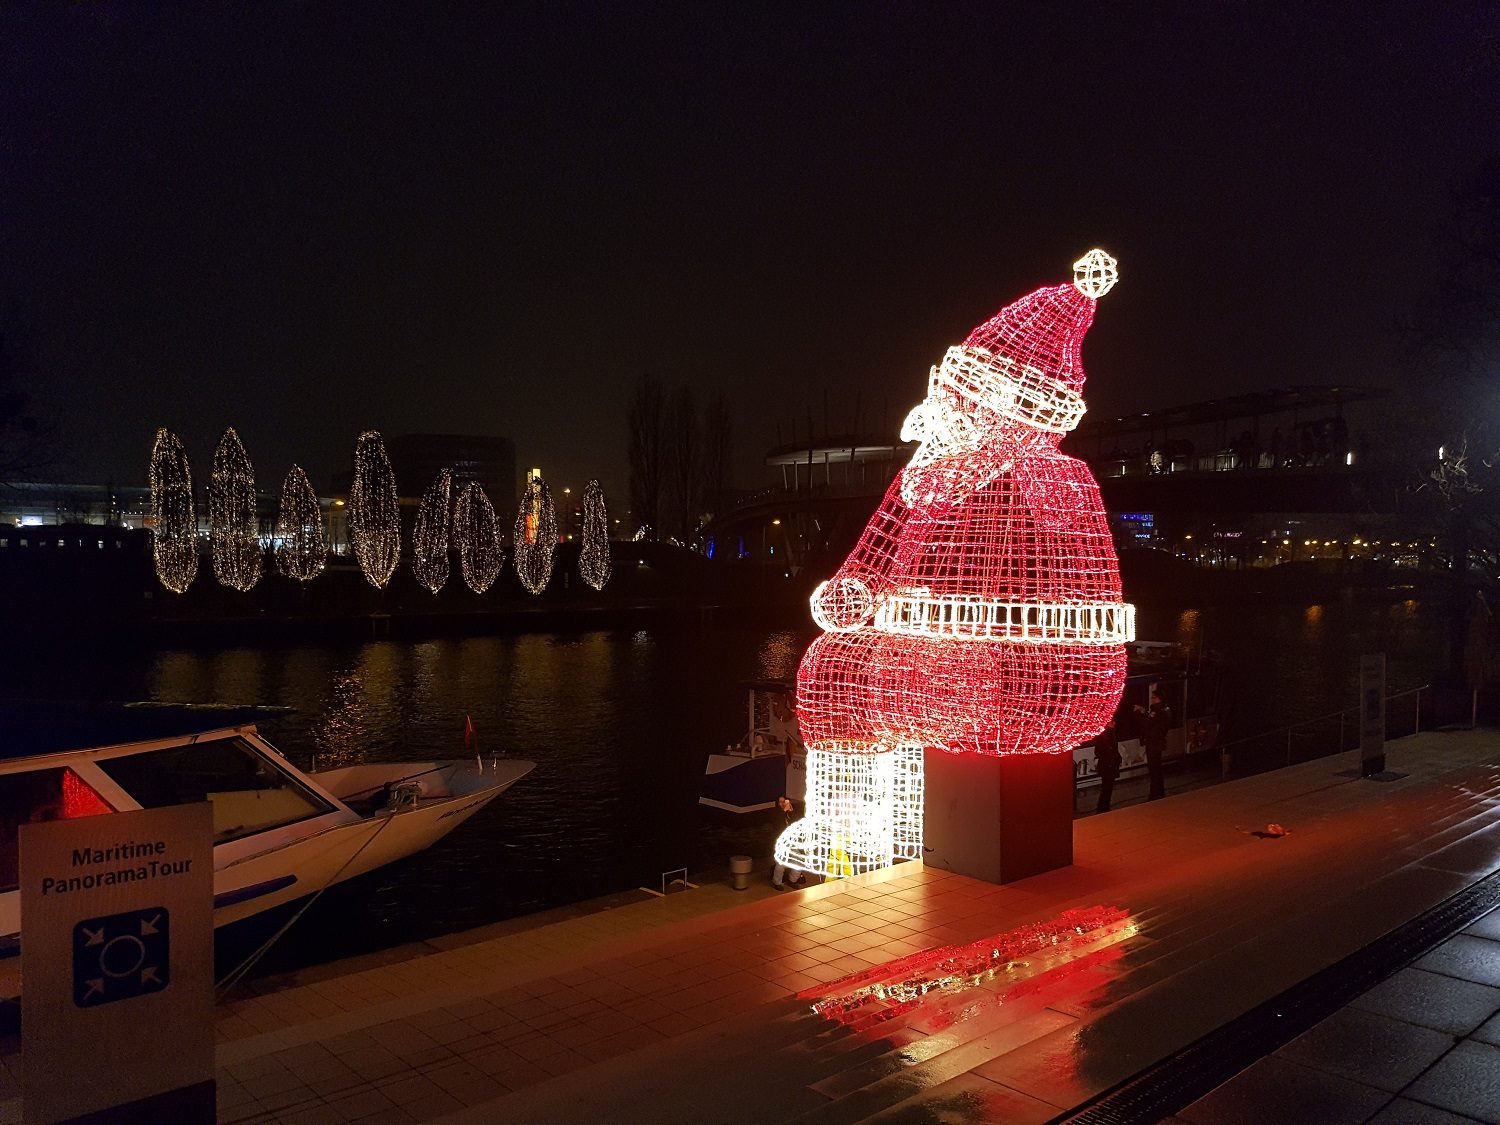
<point>1095,274</point>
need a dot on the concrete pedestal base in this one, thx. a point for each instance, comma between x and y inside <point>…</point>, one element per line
<point>999,819</point>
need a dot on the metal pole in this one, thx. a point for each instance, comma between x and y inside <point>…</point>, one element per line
<point>1288,745</point>
<point>1417,726</point>
<point>1187,748</point>
<point>1474,710</point>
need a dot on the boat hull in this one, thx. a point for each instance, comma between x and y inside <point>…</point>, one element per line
<point>247,884</point>
<point>304,867</point>
<point>281,834</point>
<point>738,783</point>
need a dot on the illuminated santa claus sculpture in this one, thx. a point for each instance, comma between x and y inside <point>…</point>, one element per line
<point>980,612</point>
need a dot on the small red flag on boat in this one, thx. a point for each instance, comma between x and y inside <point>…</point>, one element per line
<point>468,731</point>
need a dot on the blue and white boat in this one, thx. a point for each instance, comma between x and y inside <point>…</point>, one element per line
<point>768,761</point>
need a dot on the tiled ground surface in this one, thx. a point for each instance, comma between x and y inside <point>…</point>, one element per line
<point>682,1010</point>
<point>1422,1046</point>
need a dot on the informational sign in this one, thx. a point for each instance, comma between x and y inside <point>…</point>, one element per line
<point>117,965</point>
<point>1372,713</point>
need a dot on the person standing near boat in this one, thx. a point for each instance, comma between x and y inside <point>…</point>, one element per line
<point>779,870</point>
<point>1157,721</point>
<point>1107,762</point>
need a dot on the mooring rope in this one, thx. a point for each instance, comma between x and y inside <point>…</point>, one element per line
<point>235,975</point>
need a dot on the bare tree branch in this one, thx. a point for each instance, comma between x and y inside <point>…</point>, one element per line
<point>683,461</point>
<point>645,422</point>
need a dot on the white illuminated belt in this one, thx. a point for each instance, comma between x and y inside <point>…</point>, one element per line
<point>1072,623</point>
<point>1014,390</point>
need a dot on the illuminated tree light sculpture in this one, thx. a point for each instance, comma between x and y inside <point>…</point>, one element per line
<point>429,540</point>
<point>535,536</point>
<point>476,531</point>
<point>374,514</point>
<point>301,549</point>
<point>174,519</point>
<point>593,560</point>
<point>981,610</point>
<point>233,525</point>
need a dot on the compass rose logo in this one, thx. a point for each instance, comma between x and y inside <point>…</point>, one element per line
<point>120,956</point>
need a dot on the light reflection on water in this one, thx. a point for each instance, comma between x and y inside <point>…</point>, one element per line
<point>618,724</point>
<point>1286,662</point>
<point>1189,630</point>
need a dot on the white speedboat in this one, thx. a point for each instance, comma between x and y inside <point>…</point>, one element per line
<point>769,761</point>
<point>279,833</point>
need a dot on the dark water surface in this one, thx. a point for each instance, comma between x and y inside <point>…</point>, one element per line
<point>1285,663</point>
<point>618,724</point>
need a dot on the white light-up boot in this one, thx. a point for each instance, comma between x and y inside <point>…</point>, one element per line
<point>864,812</point>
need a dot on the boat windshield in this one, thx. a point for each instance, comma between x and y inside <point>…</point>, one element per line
<point>249,794</point>
<point>33,797</point>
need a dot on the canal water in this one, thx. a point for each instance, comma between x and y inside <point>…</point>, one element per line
<point>618,723</point>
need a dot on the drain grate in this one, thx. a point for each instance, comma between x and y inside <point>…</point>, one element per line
<point>1182,1079</point>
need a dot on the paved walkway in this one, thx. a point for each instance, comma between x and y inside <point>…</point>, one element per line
<point>1429,1035</point>
<point>686,1008</point>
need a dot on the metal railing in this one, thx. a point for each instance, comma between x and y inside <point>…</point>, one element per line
<point>681,879</point>
<point>1321,736</point>
<point>1304,741</point>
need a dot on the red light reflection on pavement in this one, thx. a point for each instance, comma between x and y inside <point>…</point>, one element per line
<point>951,983</point>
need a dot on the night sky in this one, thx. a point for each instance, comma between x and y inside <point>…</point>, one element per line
<point>308,220</point>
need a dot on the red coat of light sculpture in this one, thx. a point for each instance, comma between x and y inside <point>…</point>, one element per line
<point>981,610</point>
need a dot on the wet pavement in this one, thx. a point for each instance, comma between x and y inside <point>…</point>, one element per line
<point>699,1007</point>
<point>1422,1046</point>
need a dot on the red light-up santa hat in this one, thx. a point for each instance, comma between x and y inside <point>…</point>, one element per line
<point>1025,362</point>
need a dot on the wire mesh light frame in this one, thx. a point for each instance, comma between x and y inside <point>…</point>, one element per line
<point>430,535</point>
<point>233,521</point>
<point>374,511</point>
<point>535,536</point>
<point>476,532</point>
<point>174,517</point>
<point>301,544</point>
<point>594,565</point>
<point>981,610</point>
